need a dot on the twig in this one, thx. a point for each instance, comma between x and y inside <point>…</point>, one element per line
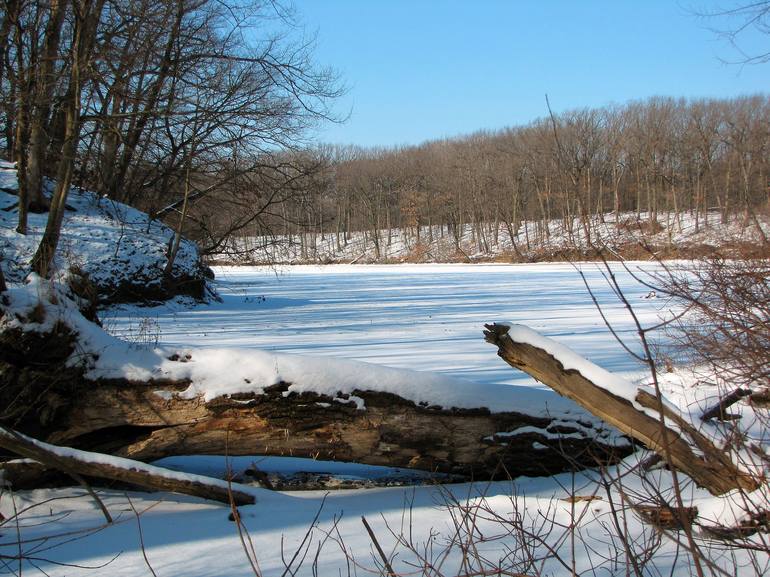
<point>99,503</point>
<point>141,536</point>
<point>388,568</point>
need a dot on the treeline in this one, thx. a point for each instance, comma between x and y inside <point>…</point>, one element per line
<point>661,155</point>
<point>196,110</point>
<point>158,104</point>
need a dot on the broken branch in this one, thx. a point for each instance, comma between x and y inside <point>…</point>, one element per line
<point>708,466</point>
<point>78,463</point>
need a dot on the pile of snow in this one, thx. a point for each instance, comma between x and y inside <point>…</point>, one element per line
<point>119,248</point>
<point>494,241</point>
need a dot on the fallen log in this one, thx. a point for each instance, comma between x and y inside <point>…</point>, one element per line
<point>48,395</point>
<point>719,411</point>
<point>148,421</point>
<point>667,433</point>
<point>78,463</point>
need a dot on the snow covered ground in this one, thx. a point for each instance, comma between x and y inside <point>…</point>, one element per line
<point>682,231</point>
<point>120,249</point>
<point>427,318</point>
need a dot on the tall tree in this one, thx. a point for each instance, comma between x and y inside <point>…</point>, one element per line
<point>86,15</point>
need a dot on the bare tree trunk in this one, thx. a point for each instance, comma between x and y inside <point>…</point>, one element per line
<point>20,143</point>
<point>43,258</point>
<point>10,23</point>
<point>44,83</point>
<point>86,16</point>
<point>19,95</point>
<point>174,249</point>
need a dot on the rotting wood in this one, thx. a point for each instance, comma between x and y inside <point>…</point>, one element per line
<point>695,455</point>
<point>667,518</point>
<point>148,420</point>
<point>98,465</point>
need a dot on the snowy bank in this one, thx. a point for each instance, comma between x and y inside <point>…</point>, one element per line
<point>120,249</point>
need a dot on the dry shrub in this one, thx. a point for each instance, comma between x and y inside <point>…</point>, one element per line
<point>420,253</point>
<point>728,327</point>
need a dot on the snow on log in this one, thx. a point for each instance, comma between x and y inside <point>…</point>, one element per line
<point>65,381</point>
<point>108,467</point>
<point>634,411</point>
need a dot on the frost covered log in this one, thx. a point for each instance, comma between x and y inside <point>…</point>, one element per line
<point>634,411</point>
<point>74,462</point>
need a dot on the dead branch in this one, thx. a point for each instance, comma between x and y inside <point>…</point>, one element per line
<point>79,463</point>
<point>708,466</point>
<point>718,410</point>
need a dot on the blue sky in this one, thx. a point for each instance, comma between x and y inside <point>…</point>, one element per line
<point>425,69</point>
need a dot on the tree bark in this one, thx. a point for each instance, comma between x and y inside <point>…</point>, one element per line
<point>689,450</point>
<point>147,421</point>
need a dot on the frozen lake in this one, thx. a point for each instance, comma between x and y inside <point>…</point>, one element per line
<point>420,317</point>
<point>426,317</point>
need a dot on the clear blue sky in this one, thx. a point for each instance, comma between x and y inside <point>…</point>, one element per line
<point>423,69</point>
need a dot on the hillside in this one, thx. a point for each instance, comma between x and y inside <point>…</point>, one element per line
<point>120,250</point>
<point>630,236</point>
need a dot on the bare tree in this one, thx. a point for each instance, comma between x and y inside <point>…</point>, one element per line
<point>120,124</point>
<point>86,14</point>
<point>736,22</point>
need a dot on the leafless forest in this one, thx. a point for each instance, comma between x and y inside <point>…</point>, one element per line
<point>654,156</point>
<point>196,113</point>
